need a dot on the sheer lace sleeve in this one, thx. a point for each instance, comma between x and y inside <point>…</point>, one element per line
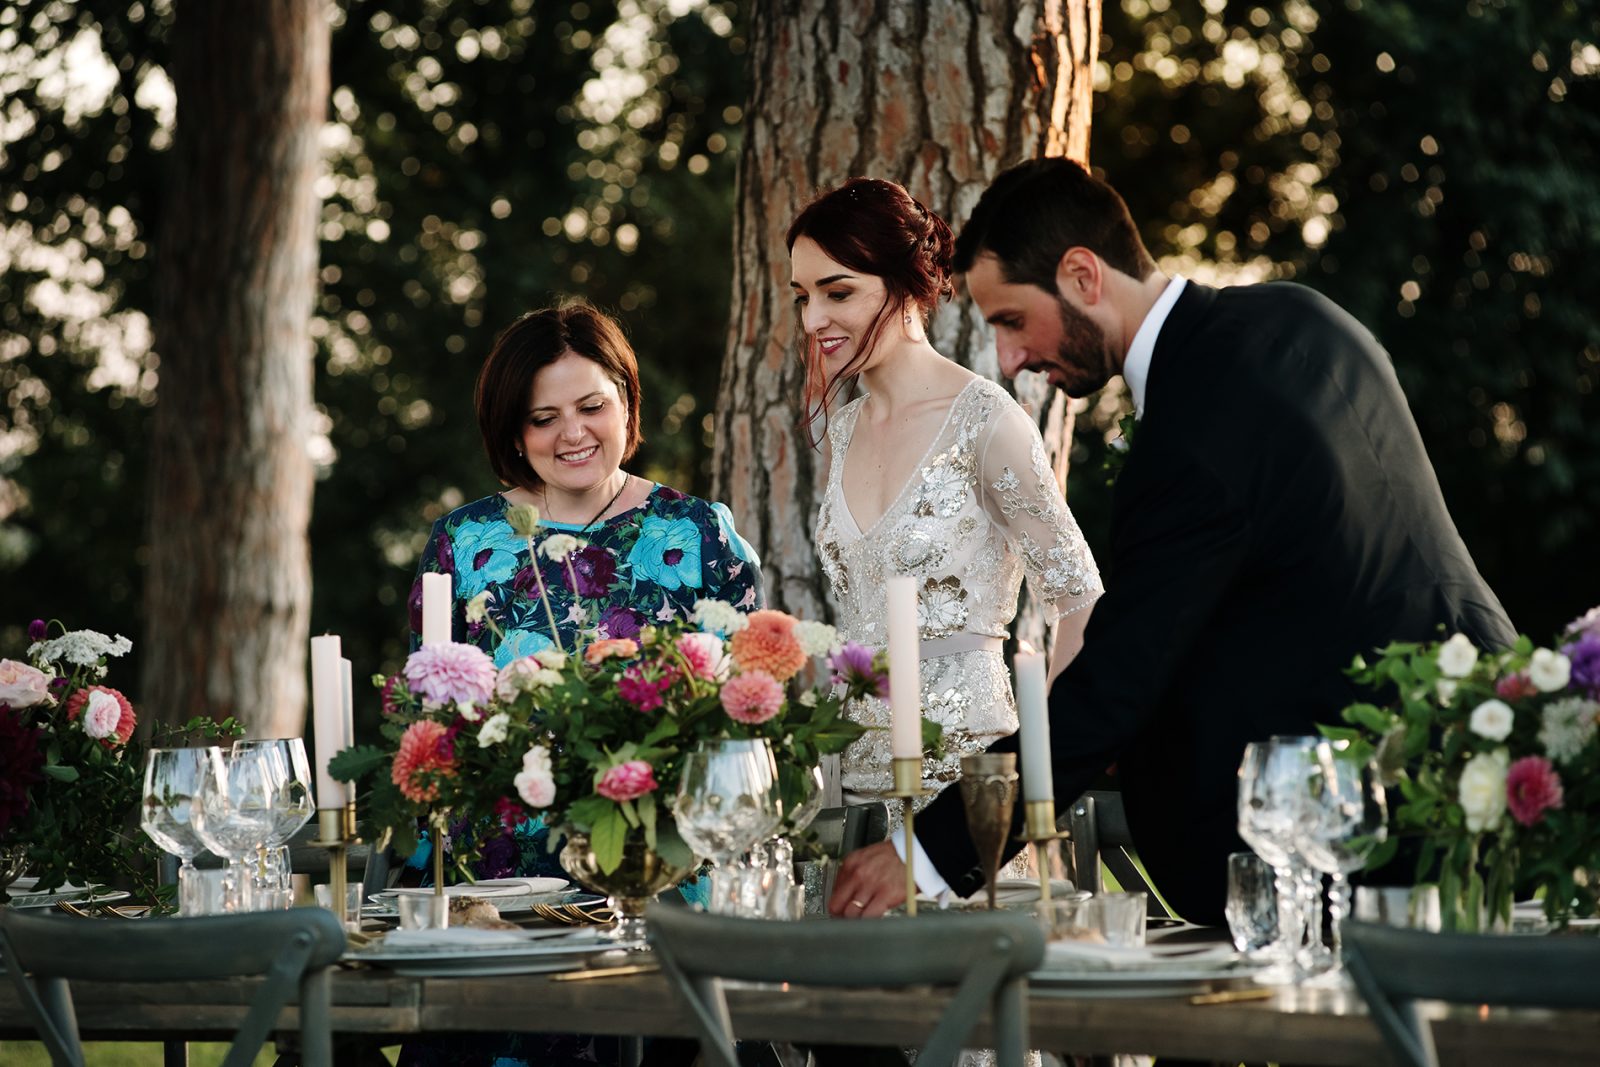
<point>1020,495</point>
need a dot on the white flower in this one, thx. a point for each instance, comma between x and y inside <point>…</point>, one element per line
<point>1446,688</point>
<point>468,710</point>
<point>494,731</point>
<point>816,638</point>
<point>524,675</point>
<point>1492,719</point>
<point>557,547</point>
<point>1567,726</point>
<point>478,607</point>
<point>82,647</point>
<point>552,658</point>
<point>1549,671</point>
<point>536,785</point>
<point>101,714</point>
<point>808,699</point>
<point>1482,791</point>
<point>22,686</point>
<point>719,616</point>
<point>1457,656</point>
<point>536,760</point>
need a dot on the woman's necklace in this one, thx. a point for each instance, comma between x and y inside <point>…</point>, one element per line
<point>626,477</point>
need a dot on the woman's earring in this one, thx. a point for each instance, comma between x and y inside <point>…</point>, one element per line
<point>908,318</point>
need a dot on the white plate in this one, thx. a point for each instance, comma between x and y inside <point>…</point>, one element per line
<point>489,887</point>
<point>528,957</point>
<point>505,905</point>
<point>1173,981</point>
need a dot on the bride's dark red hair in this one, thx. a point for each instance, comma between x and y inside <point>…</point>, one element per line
<point>874,227</point>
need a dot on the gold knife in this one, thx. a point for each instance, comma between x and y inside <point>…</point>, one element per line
<point>606,972</point>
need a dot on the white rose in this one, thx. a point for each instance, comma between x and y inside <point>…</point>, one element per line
<point>22,686</point>
<point>1457,656</point>
<point>1446,688</point>
<point>101,714</point>
<point>1492,719</point>
<point>816,638</point>
<point>1482,791</point>
<point>536,760</point>
<point>536,790</point>
<point>1549,671</point>
<point>494,731</point>
<point>557,547</point>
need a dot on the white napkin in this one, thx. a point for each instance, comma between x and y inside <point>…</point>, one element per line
<point>460,889</point>
<point>454,937</point>
<point>1094,956</point>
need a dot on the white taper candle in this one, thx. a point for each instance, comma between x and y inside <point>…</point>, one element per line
<point>1033,713</point>
<point>328,717</point>
<point>436,594</point>
<point>905,684</point>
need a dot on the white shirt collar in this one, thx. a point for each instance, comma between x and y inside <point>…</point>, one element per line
<point>1136,368</point>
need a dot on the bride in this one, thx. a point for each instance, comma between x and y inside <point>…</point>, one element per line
<point>936,473</point>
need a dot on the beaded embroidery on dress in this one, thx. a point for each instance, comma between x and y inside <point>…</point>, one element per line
<point>981,510</point>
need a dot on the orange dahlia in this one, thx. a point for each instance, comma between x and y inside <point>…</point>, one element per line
<point>769,643</point>
<point>424,749</point>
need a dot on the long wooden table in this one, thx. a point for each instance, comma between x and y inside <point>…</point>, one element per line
<point>1310,1027</point>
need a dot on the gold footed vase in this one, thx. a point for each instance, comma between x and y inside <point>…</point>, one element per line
<point>638,878</point>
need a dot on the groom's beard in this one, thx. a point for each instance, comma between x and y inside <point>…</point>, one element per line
<point>1084,361</point>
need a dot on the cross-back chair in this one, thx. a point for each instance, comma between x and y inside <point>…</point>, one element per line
<point>291,950</point>
<point>1098,828</point>
<point>986,956</point>
<point>1394,968</point>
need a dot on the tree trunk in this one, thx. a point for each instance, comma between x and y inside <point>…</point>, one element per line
<point>227,595</point>
<point>940,96</point>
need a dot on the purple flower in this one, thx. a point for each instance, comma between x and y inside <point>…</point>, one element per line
<point>1584,654</point>
<point>595,568</point>
<point>666,492</point>
<point>526,582</point>
<point>446,553</point>
<point>498,857</point>
<point>37,629</point>
<point>449,673</point>
<point>620,621</point>
<point>855,668</point>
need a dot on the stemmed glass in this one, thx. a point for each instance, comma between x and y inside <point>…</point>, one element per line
<point>294,810</point>
<point>1346,818</point>
<point>238,807</point>
<point>172,780</point>
<point>727,799</point>
<point>1272,782</point>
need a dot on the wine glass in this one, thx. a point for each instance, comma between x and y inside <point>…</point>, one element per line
<point>727,799</point>
<point>1272,781</point>
<point>294,810</point>
<point>1347,817</point>
<point>237,809</point>
<point>172,779</point>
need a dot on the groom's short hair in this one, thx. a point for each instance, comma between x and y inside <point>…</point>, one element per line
<point>1034,212</point>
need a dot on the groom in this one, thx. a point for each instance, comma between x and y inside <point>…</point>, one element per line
<point>1276,515</point>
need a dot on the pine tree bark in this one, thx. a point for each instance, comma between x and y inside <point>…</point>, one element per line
<point>941,96</point>
<point>227,593</point>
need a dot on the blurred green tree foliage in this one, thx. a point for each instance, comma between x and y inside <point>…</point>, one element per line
<point>1429,165</point>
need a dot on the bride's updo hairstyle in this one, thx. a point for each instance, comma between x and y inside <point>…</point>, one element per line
<point>874,227</point>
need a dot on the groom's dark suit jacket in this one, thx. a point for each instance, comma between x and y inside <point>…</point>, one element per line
<point>1277,515</point>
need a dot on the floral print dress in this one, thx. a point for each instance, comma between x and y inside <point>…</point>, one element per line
<point>644,566</point>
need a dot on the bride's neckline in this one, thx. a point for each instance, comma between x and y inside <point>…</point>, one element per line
<point>916,469</point>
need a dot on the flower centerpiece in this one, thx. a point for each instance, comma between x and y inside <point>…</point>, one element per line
<point>593,741</point>
<point>70,772</point>
<point>1498,766</point>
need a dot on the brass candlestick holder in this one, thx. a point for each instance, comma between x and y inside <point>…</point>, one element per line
<point>908,787</point>
<point>1039,829</point>
<point>989,792</point>
<point>336,829</point>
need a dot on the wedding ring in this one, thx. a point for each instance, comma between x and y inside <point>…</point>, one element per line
<point>860,904</point>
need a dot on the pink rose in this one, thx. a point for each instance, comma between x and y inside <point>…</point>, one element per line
<point>753,697</point>
<point>1532,788</point>
<point>22,686</point>
<point>627,781</point>
<point>536,789</point>
<point>704,654</point>
<point>101,715</point>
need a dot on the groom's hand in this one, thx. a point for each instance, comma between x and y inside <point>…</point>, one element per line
<point>871,881</point>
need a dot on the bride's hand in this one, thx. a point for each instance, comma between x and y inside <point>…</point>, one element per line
<point>871,881</point>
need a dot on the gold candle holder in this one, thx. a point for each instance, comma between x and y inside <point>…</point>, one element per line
<point>1039,829</point>
<point>336,829</point>
<point>908,787</point>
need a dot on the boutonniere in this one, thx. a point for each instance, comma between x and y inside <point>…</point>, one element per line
<point>1117,448</point>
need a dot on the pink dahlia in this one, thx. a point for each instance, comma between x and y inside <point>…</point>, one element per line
<point>425,749</point>
<point>626,781</point>
<point>646,689</point>
<point>1532,788</point>
<point>450,673</point>
<point>126,720</point>
<point>752,698</point>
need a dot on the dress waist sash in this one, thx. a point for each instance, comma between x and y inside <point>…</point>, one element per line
<point>961,642</point>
